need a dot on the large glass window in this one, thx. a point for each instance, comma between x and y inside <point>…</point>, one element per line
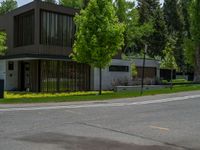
<point>115,68</point>
<point>24,29</point>
<point>56,29</point>
<point>61,76</point>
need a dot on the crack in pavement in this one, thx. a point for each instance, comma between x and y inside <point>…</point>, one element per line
<point>135,135</point>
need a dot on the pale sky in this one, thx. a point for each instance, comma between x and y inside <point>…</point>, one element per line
<point>23,2</point>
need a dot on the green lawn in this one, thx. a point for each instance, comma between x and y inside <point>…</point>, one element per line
<point>12,98</point>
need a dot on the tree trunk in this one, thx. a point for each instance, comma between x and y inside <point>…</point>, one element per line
<point>197,65</point>
<point>100,81</point>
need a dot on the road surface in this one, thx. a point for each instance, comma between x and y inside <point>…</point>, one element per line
<point>163,122</point>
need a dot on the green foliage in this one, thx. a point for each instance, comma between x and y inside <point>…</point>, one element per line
<point>173,16</point>
<point>175,81</point>
<point>17,95</point>
<point>127,13</point>
<point>150,11</point>
<point>99,35</point>
<point>72,3</point>
<point>195,36</point>
<point>189,51</point>
<point>188,43</point>
<point>7,5</point>
<point>169,62</point>
<point>147,10</point>
<point>134,30</point>
<point>133,70</point>
<point>185,5</point>
<point>92,97</point>
<point>175,24</point>
<point>121,9</point>
<point>3,48</point>
<point>195,21</point>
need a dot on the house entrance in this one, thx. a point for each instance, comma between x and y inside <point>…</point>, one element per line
<point>25,76</point>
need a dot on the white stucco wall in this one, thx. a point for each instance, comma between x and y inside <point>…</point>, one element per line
<point>148,63</point>
<point>12,77</point>
<point>108,76</point>
<point>3,71</point>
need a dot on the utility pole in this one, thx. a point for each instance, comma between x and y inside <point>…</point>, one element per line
<point>143,68</point>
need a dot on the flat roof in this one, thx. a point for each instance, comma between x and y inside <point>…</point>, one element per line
<point>34,56</point>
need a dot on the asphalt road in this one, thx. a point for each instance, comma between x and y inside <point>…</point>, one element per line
<point>166,122</point>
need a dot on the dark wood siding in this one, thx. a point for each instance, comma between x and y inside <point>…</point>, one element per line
<point>149,72</point>
<point>24,29</point>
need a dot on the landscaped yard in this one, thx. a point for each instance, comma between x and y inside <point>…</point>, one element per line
<point>13,97</point>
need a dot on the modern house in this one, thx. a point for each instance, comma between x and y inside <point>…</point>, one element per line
<point>152,68</point>
<point>40,36</point>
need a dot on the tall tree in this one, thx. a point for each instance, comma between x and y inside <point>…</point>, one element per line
<point>99,35</point>
<point>168,61</point>
<point>127,13</point>
<point>121,7</point>
<point>185,5</point>
<point>147,9</point>
<point>175,26</point>
<point>188,44</point>
<point>150,11</point>
<point>5,7</point>
<point>72,3</point>
<point>195,36</point>
<point>136,32</point>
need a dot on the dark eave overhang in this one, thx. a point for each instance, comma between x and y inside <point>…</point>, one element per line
<point>45,6</point>
<point>34,56</point>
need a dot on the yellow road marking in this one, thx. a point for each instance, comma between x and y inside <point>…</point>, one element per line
<point>73,112</point>
<point>160,128</point>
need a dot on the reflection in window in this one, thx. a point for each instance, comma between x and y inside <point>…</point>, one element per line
<point>10,65</point>
<point>116,68</point>
<point>24,29</point>
<point>56,29</point>
<point>61,76</point>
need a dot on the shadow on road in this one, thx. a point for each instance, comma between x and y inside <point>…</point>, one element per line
<point>70,142</point>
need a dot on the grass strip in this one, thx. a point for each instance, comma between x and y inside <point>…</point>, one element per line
<point>16,98</point>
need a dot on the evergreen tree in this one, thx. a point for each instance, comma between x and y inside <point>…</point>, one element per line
<point>185,4</point>
<point>127,13</point>
<point>150,11</point>
<point>168,61</point>
<point>175,26</point>
<point>173,16</point>
<point>7,6</point>
<point>195,37</point>
<point>121,7</point>
<point>147,9</point>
